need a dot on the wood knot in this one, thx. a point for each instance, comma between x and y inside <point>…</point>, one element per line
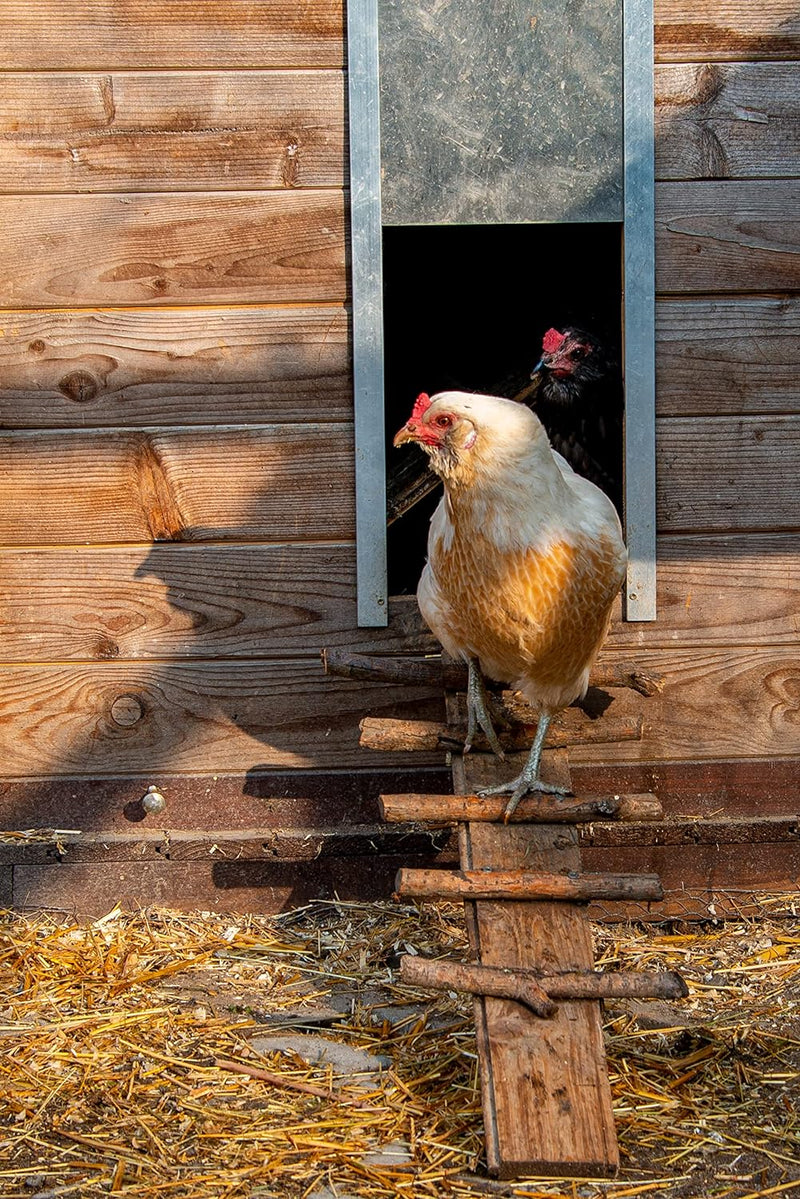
<point>37,346</point>
<point>79,386</point>
<point>106,648</point>
<point>127,710</point>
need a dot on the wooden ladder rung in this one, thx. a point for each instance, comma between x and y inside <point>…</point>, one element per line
<point>533,809</point>
<point>522,884</point>
<point>536,989</point>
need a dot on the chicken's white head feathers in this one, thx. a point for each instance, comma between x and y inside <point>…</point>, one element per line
<point>467,435</point>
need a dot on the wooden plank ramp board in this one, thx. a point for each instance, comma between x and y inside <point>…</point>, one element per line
<point>545,1089</point>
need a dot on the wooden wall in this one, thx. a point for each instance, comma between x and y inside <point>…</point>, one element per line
<point>176,478</point>
<point>176,510</point>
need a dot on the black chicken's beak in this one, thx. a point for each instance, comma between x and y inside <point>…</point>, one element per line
<point>537,368</point>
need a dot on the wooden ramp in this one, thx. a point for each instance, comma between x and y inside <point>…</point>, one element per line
<point>544,1080</point>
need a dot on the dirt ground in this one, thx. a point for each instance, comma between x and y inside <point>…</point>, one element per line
<point>164,1054</point>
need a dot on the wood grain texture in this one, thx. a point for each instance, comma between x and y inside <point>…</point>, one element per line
<point>717,703</point>
<point>187,601</point>
<point>275,483</point>
<point>727,121</point>
<point>738,356</point>
<point>68,34</point>
<point>150,248</point>
<point>546,1097</point>
<point>734,787</point>
<point>189,366</point>
<point>207,717</point>
<point>726,29</point>
<point>727,474</point>
<point>717,237</point>
<point>171,131</point>
<point>244,886</point>
<point>278,803</point>
<point>736,590</point>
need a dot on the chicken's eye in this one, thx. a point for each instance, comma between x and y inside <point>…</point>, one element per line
<point>443,422</point>
<point>579,352</point>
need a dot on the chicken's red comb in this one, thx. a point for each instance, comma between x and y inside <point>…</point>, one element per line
<point>553,341</point>
<point>421,406</point>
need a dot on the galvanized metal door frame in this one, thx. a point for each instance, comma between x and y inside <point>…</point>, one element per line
<point>638,104</point>
<point>367,301</point>
<point>367,305</point>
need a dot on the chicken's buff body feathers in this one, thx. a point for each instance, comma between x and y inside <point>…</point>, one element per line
<point>524,556</point>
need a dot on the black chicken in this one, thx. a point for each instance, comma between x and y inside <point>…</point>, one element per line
<point>577,395</point>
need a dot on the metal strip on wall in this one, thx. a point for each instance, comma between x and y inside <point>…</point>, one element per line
<point>367,290</point>
<point>639,308</point>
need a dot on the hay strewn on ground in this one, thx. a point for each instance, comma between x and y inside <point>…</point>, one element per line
<point>121,1039</point>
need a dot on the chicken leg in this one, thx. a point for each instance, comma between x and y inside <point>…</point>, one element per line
<point>528,779</point>
<point>478,710</point>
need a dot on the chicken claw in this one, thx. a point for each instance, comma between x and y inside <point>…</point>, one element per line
<point>528,779</point>
<point>478,710</point>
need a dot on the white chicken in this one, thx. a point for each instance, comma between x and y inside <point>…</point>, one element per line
<point>524,561</point>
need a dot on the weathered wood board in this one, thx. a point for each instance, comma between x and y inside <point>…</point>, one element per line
<point>189,601</point>
<point>727,355</point>
<point>116,718</point>
<point>726,29</point>
<point>122,367</point>
<point>197,248</point>
<point>544,1084</point>
<point>165,484</point>
<point>254,600</point>
<point>74,488</point>
<point>717,703</point>
<point>733,236</point>
<point>731,589</point>
<point>187,130</point>
<point>728,473</point>
<point>69,35</point>
<point>718,121</point>
<point>78,369</point>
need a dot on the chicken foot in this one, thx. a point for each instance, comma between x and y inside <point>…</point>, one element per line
<point>528,779</point>
<point>478,710</point>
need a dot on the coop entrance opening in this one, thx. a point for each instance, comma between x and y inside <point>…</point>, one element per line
<point>466,307</point>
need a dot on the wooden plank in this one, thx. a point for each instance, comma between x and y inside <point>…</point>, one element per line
<point>716,356</point>
<point>733,787</point>
<point>265,887</point>
<point>733,236</point>
<point>736,589</point>
<point>547,1102</point>
<point>707,872</point>
<point>722,474</point>
<point>719,121</point>
<point>726,29</point>
<point>146,248</point>
<point>177,485</point>
<point>277,802</point>
<point>68,34</point>
<point>171,131</point>
<point>717,703</point>
<point>712,830</point>
<point>188,366</point>
<point>125,718</point>
<point>160,842</point>
<point>188,601</point>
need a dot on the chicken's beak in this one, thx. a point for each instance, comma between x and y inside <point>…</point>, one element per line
<point>408,432</point>
<point>537,368</point>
